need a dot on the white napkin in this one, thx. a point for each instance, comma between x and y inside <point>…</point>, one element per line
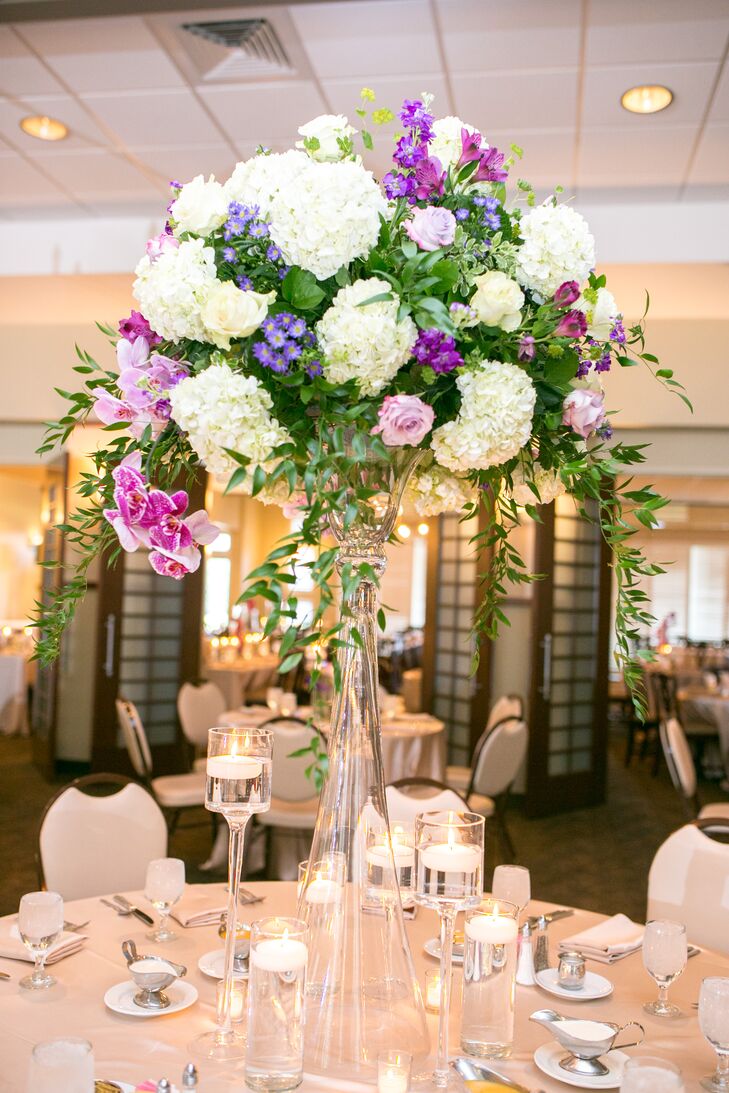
<point>607,942</point>
<point>12,948</point>
<point>198,909</point>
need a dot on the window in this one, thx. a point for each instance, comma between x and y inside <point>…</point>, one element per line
<point>216,602</point>
<point>707,600</point>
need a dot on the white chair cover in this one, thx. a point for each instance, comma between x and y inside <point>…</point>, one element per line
<point>135,737</point>
<point>500,758</point>
<point>679,760</point>
<point>503,707</point>
<point>403,807</point>
<point>199,709</point>
<point>289,780</point>
<point>93,845</point>
<point>689,882</point>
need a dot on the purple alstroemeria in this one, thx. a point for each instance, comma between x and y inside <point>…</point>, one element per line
<point>566,294</point>
<point>490,167</point>
<point>527,348</point>
<point>470,148</point>
<point>429,179</point>
<point>573,324</point>
<point>136,326</point>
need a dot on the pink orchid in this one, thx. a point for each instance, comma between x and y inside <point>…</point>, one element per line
<point>110,409</point>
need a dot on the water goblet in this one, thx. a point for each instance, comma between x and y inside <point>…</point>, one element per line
<point>513,884</point>
<point>66,1064</point>
<point>164,885</point>
<point>238,786</point>
<point>645,1074</point>
<point>714,1024</point>
<point>40,923</point>
<point>448,871</point>
<point>665,952</point>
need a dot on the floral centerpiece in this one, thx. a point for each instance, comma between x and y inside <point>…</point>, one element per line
<point>301,314</point>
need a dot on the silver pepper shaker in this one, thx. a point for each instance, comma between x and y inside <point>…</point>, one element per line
<point>189,1077</point>
<point>525,961</point>
<point>163,1086</point>
<point>541,952</point>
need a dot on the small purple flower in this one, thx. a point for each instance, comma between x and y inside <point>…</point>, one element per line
<point>527,348</point>
<point>291,351</point>
<point>273,253</point>
<point>566,294</point>
<point>229,254</point>
<point>462,214</point>
<point>277,339</point>
<point>605,431</point>
<point>263,353</point>
<point>314,368</point>
<point>298,328</point>
<point>258,229</point>
<point>437,350</point>
<point>573,324</point>
<point>282,272</point>
<point>617,334</point>
<point>244,283</point>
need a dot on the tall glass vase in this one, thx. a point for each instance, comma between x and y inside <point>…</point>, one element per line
<point>364,997</point>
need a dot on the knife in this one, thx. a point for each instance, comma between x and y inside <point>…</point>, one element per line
<point>551,916</point>
<point>141,915</point>
<point>472,1071</point>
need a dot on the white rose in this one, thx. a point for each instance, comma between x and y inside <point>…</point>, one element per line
<point>200,208</point>
<point>497,300</point>
<point>601,316</point>
<point>328,130</point>
<point>228,312</point>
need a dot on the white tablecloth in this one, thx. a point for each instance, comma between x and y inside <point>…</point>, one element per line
<point>240,676</point>
<point>12,693</point>
<point>132,1050</point>
<point>700,705</point>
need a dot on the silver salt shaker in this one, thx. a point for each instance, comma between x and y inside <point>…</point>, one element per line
<point>571,971</point>
<point>189,1077</point>
<point>525,959</point>
<point>163,1086</point>
<point>541,951</point>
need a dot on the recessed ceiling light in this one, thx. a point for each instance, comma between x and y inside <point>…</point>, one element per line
<point>44,128</point>
<point>647,99</point>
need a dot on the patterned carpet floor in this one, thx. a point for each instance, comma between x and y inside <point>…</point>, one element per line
<point>597,858</point>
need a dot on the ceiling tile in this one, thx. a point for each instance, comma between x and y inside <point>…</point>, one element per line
<point>165,117</point>
<point>367,38</point>
<point>626,195</point>
<point>343,96</point>
<point>57,37</point>
<point>22,184</point>
<point>548,155</point>
<point>183,162</point>
<point>711,162</point>
<point>117,70</point>
<point>635,35</point>
<point>643,157</point>
<point>690,83</point>
<point>263,113</point>
<point>98,174</point>
<point>478,36</point>
<point>516,99</point>
<point>82,129</point>
<point>720,105</point>
<point>20,72</point>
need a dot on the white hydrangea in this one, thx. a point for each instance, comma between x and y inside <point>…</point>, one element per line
<point>327,215</point>
<point>367,344</point>
<point>435,490</point>
<point>219,408</point>
<point>557,247</point>
<point>446,142</point>
<point>172,289</point>
<point>494,422</point>
<point>548,483</point>
<point>256,181</point>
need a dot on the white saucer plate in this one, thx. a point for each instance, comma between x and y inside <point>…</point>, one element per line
<point>212,964</point>
<point>432,948</point>
<point>120,999</point>
<point>594,986</point>
<point>548,1056</point>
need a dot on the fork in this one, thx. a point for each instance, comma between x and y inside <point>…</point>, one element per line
<point>74,927</point>
<point>115,907</point>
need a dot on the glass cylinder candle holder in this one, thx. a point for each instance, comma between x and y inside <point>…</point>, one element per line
<point>276,990</point>
<point>393,1071</point>
<point>400,843</point>
<point>66,1064</point>
<point>236,1000</point>
<point>432,990</point>
<point>321,898</point>
<point>489,971</point>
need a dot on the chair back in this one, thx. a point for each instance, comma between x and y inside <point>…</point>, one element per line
<point>500,758</point>
<point>665,695</point>
<point>407,797</point>
<point>91,845</point>
<point>199,707</point>
<point>135,738</point>
<point>506,706</point>
<point>689,882</point>
<point>289,780</point>
<point>679,760</point>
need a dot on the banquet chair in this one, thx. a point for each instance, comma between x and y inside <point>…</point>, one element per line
<point>495,772</point>
<point>294,800</point>
<point>407,797</point>
<point>89,845</point>
<point>682,769</point>
<point>199,707</point>
<point>172,792</point>
<point>461,778</point>
<point>688,882</point>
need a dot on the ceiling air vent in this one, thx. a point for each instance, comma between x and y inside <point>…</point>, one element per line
<point>240,49</point>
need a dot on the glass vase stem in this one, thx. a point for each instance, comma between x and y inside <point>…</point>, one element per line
<point>447,933</point>
<point>235,864</point>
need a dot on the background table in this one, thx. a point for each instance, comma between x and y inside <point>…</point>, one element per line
<point>697,704</point>
<point>238,677</point>
<point>131,1049</point>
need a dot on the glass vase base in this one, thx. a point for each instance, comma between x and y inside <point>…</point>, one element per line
<point>714,1084</point>
<point>222,1046</point>
<point>160,936</point>
<point>483,1049</point>
<point>663,1009</point>
<point>28,983</point>
<point>273,1083</point>
<point>450,1082</point>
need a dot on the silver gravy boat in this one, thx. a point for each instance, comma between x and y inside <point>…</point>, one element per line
<point>150,995</point>
<point>583,1055</point>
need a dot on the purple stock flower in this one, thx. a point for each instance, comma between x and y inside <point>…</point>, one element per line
<point>573,324</point>
<point>617,334</point>
<point>397,185</point>
<point>136,326</point>
<point>414,115</point>
<point>437,350</point>
<point>527,348</point>
<point>605,431</point>
<point>409,152</point>
<point>601,362</point>
<point>566,294</point>
<point>490,167</point>
<point>429,178</point>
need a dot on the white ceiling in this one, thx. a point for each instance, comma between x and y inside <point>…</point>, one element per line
<point>546,74</point>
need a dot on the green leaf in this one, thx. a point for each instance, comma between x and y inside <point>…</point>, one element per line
<point>259,480</point>
<point>301,289</point>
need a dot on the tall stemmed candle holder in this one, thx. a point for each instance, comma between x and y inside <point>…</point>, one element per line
<point>448,870</point>
<point>238,786</point>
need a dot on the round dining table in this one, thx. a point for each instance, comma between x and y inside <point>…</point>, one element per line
<point>130,1049</point>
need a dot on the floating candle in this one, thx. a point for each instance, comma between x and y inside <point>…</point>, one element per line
<point>451,857</point>
<point>492,929</point>
<point>279,955</point>
<point>233,767</point>
<point>323,890</point>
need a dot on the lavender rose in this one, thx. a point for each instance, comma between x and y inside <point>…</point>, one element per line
<point>431,227</point>
<point>404,419</point>
<point>583,410</point>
